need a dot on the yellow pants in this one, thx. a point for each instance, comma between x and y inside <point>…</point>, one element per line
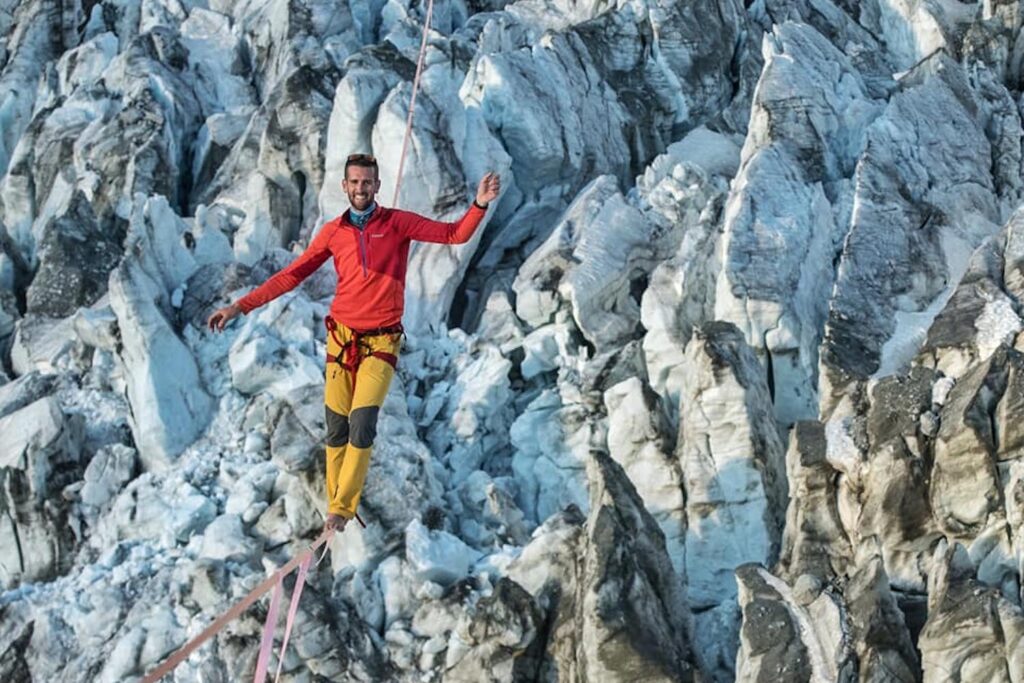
<point>351,405</point>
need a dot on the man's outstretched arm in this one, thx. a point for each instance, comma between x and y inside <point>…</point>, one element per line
<point>423,229</point>
<point>284,280</point>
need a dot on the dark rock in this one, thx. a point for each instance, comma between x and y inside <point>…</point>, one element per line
<point>897,403</point>
<point>24,390</point>
<point>632,611</point>
<point>964,485</point>
<point>75,260</point>
<point>770,634</point>
<point>499,632</point>
<point>973,632</point>
<point>815,542</point>
<point>881,638</point>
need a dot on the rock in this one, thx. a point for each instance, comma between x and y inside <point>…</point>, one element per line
<point>781,639</point>
<point>591,262</point>
<point>473,424</point>
<point>97,327</point>
<point>297,422</point>
<point>9,314</point>
<point>1009,432</point>
<point>972,632</point>
<point>881,638</point>
<point>732,461</point>
<point>496,641</point>
<point>24,390</point>
<point>225,539</point>
<point>681,291</point>
<point>169,407</point>
<point>39,455</point>
<point>806,589</point>
<point>658,112</point>
<point>627,595</point>
<point>273,353</point>
<point>964,489</point>
<point>979,317</point>
<point>551,439</point>
<point>489,515</point>
<point>638,441</point>
<point>109,470</point>
<point>250,494</point>
<point>815,543</point>
<point>545,349</point>
<point>43,344</point>
<point>909,241</point>
<point>435,555</point>
<point>75,259</point>
<point>169,512</point>
<point>808,126</point>
<point>546,101</point>
<point>268,176</point>
<point>27,51</point>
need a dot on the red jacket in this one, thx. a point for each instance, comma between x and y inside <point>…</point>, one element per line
<point>370,263</point>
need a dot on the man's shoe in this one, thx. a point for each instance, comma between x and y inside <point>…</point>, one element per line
<point>336,522</point>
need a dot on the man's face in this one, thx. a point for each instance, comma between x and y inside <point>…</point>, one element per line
<point>360,184</point>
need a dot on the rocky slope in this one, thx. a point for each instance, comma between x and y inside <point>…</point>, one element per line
<point>728,387</point>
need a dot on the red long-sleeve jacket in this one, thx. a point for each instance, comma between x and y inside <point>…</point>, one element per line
<point>370,263</point>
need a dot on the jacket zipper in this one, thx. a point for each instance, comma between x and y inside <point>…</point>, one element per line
<point>362,250</point>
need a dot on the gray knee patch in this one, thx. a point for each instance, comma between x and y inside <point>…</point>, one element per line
<point>337,428</point>
<point>364,426</point>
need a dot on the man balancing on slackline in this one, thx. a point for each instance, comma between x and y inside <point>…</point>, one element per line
<point>370,247</point>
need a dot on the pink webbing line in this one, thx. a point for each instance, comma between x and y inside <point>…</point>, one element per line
<point>237,609</point>
<point>267,641</point>
<point>412,101</point>
<point>293,608</point>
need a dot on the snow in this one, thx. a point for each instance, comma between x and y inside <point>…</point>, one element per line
<point>997,325</point>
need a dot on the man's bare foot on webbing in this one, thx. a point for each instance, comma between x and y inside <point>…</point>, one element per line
<point>335,522</point>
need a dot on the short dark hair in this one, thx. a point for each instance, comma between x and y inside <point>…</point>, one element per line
<point>364,160</point>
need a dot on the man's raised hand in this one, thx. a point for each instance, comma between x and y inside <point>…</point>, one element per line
<point>489,189</point>
<point>221,316</point>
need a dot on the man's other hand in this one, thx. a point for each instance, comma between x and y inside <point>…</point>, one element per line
<point>221,316</point>
<point>489,189</point>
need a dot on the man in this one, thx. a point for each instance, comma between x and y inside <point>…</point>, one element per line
<point>370,248</point>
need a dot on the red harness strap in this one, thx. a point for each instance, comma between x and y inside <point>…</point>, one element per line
<point>350,358</point>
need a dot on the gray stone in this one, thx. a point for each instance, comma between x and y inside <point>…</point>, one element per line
<point>97,327</point>
<point>496,641</point>
<point>39,455</point>
<point>972,633</point>
<point>43,344</point>
<point>109,470</point>
<point>806,589</point>
<point>296,441</point>
<point>733,465</point>
<point>895,257</point>
<point>964,483</point>
<point>24,390</point>
<point>630,604</point>
<point>75,259</point>
<point>879,630</point>
<point>771,644</point>
<point>225,539</point>
<point>815,543</point>
<point>169,405</point>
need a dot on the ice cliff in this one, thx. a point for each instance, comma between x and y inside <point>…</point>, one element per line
<point>730,385</point>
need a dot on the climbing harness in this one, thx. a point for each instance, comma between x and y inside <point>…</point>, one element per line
<point>351,357</point>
